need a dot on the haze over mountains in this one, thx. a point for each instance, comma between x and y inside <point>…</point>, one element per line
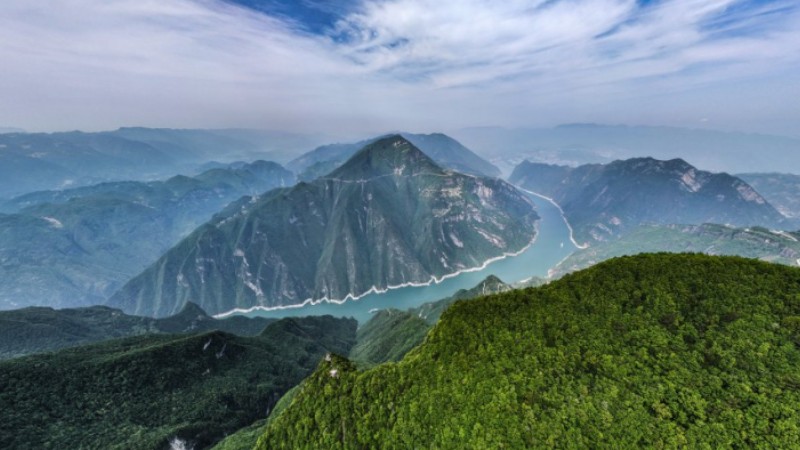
<point>389,216</point>
<point>75,247</point>
<point>71,247</point>
<point>444,150</point>
<point>352,225</point>
<point>40,161</point>
<point>363,217</point>
<point>782,190</point>
<point>576,144</point>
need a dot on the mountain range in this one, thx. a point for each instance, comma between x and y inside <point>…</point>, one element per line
<point>588,143</point>
<point>44,161</point>
<point>389,216</point>
<point>603,201</point>
<point>75,247</point>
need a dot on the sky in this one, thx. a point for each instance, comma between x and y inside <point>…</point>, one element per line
<point>355,67</point>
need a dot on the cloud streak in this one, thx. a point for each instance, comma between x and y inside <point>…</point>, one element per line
<point>411,64</point>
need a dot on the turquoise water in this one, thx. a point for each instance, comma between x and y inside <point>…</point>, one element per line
<point>552,245</point>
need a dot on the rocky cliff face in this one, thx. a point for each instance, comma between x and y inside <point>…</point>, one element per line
<point>602,201</point>
<point>389,216</point>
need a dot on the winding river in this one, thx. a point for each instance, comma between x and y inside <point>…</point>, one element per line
<point>552,244</point>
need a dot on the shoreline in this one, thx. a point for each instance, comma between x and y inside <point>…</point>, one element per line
<point>375,290</point>
<point>569,227</point>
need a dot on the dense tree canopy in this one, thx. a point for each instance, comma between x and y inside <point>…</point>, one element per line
<point>655,351</point>
<point>141,392</point>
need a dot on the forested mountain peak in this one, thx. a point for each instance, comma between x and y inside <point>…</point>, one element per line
<point>650,351</point>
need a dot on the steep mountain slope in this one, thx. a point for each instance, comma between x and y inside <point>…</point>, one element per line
<point>388,336</point>
<point>76,247</point>
<point>432,311</point>
<point>782,190</point>
<point>652,351</point>
<point>389,216</point>
<point>152,391</point>
<point>604,201</point>
<point>444,150</point>
<point>38,329</point>
<point>773,246</point>
<point>391,333</point>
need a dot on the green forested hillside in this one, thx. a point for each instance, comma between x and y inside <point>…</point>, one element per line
<point>142,392</point>
<point>392,333</point>
<point>388,336</point>
<point>650,351</point>
<point>246,438</point>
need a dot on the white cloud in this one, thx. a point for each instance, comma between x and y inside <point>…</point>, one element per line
<point>406,64</point>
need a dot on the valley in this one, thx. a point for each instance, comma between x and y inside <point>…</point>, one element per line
<point>390,249</point>
<point>399,224</point>
<point>552,245</point>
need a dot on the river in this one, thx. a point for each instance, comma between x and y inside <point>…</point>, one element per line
<point>552,244</point>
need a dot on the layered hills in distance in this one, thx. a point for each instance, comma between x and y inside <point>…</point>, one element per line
<point>603,201</point>
<point>43,161</point>
<point>38,329</point>
<point>588,143</point>
<point>389,216</point>
<point>444,150</point>
<point>75,247</point>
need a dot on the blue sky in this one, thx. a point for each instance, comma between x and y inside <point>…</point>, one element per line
<point>355,67</point>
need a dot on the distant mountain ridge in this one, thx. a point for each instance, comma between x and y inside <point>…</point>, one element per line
<point>41,329</point>
<point>42,161</point>
<point>578,144</point>
<point>389,216</point>
<point>602,201</point>
<point>444,150</point>
<point>76,247</point>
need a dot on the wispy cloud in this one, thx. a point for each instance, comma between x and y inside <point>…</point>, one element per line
<point>390,64</point>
